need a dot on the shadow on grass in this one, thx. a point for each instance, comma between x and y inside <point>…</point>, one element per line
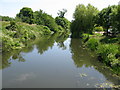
<point>108,40</point>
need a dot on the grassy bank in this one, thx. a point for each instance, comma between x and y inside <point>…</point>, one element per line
<point>15,35</point>
<point>106,48</point>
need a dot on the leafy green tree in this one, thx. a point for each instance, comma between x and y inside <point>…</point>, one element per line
<point>107,18</point>
<point>63,22</point>
<point>83,20</point>
<point>26,15</point>
<point>42,18</point>
<point>50,22</point>
<point>62,13</point>
<point>38,17</point>
<point>118,18</point>
<point>6,18</point>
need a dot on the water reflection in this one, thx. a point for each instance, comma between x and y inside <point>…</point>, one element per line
<point>80,55</point>
<point>83,57</point>
<point>42,44</point>
<point>71,64</point>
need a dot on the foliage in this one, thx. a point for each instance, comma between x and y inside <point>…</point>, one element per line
<point>16,37</point>
<point>62,13</point>
<point>98,29</point>
<point>46,30</point>
<point>108,40</point>
<point>108,17</point>
<point>38,17</point>
<point>26,15</point>
<point>93,44</point>
<point>118,19</point>
<point>42,18</point>
<point>12,26</point>
<point>85,37</point>
<point>84,20</point>
<point>63,22</point>
<point>108,52</point>
<point>6,18</point>
<point>50,22</point>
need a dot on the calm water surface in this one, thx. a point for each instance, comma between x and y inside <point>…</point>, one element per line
<point>55,62</point>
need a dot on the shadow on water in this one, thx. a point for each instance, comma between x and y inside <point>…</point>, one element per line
<point>84,57</point>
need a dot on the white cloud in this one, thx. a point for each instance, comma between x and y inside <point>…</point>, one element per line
<point>26,76</point>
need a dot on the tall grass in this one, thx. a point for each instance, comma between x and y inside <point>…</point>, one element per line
<point>15,35</point>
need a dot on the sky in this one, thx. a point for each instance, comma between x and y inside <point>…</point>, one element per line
<point>12,7</point>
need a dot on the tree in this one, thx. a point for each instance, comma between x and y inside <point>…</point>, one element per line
<point>63,22</point>
<point>42,18</point>
<point>118,18</point>
<point>83,20</point>
<point>49,21</point>
<point>108,17</point>
<point>6,18</point>
<point>38,17</point>
<point>26,15</point>
<point>62,13</point>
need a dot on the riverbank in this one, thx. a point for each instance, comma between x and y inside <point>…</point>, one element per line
<point>15,35</point>
<point>106,48</point>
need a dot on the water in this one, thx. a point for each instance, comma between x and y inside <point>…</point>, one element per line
<point>55,62</point>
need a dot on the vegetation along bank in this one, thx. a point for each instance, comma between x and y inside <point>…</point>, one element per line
<point>100,31</point>
<point>29,25</point>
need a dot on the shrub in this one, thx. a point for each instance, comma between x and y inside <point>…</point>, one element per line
<point>46,30</point>
<point>63,22</point>
<point>60,28</point>
<point>85,37</point>
<point>108,52</point>
<point>93,44</point>
<point>98,29</point>
<point>12,26</point>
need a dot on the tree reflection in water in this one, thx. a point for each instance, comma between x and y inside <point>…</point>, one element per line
<point>42,44</point>
<point>83,57</point>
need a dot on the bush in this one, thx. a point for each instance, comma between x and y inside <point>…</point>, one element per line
<point>93,44</point>
<point>46,30</point>
<point>12,26</point>
<point>98,29</point>
<point>107,53</point>
<point>60,28</point>
<point>63,22</point>
<point>6,18</point>
<point>85,37</point>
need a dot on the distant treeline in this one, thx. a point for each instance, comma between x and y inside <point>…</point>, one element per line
<point>29,25</point>
<point>87,18</point>
<point>6,18</point>
<point>26,15</point>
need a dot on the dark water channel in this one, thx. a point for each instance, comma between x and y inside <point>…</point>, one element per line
<point>55,62</point>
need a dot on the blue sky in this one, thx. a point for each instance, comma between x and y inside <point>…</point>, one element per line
<point>12,7</point>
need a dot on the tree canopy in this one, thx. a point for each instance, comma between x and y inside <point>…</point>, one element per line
<point>61,20</point>
<point>62,12</point>
<point>109,18</point>
<point>83,19</point>
<point>26,15</point>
